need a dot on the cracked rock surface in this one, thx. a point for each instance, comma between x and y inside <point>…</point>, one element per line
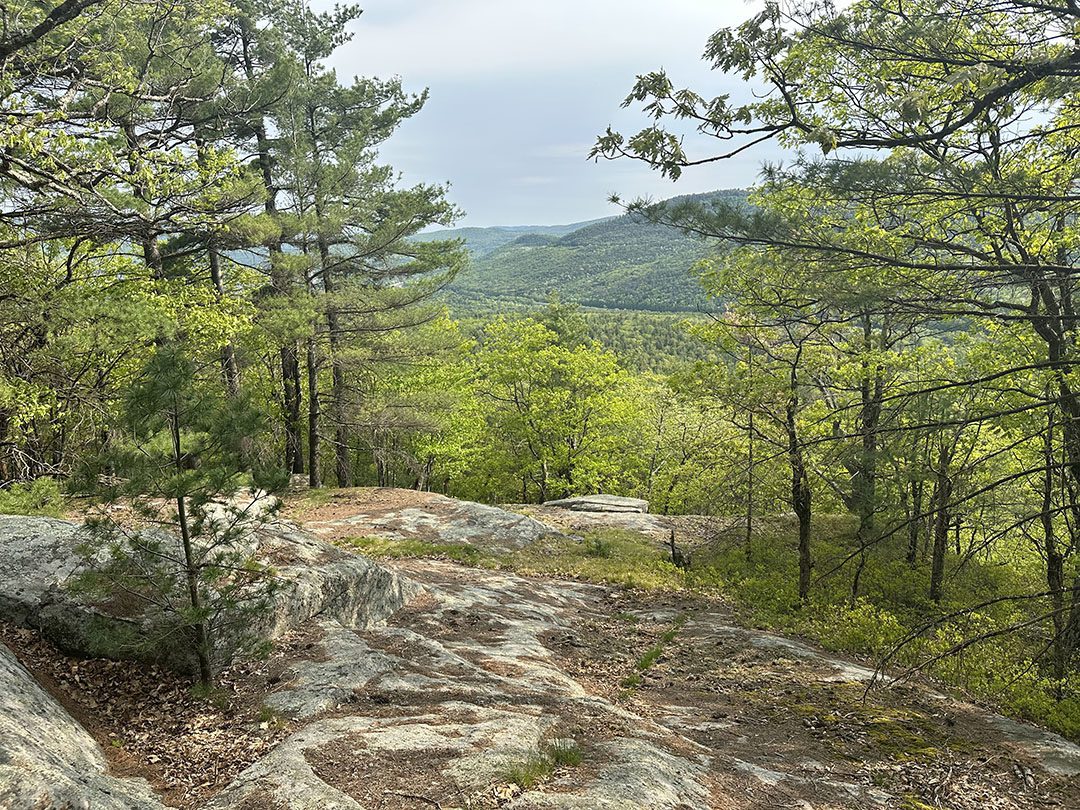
<point>446,700</point>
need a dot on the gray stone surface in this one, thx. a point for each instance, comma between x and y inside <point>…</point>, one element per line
<point>601,503</point>
<point>38,556</point>
<point>285,777</point>
<point>464,684</point>
<point>468,681</point>
<point>575,522</point>
<point>1052,751</point>
<point>633,769</point>
<point>326,583</point>
<point>433,518</point>
<point>47,760</point>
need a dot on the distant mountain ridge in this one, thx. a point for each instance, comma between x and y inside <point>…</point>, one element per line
<point>620,262</point>
<point>482,241</point>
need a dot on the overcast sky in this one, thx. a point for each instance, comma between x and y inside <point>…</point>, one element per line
<point>520,89</point>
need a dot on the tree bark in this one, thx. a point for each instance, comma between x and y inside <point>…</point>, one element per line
<point>314,405</point>
<point>338,385</point>
<point>191,567</point>
<point>801,495</point>
<point>943,487</point>
<point>230,370</point>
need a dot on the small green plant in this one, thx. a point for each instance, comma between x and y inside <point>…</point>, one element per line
<point>598,547</point>
<point>271,717</point>
<point>539,767</point>
<point>649,657</point>
<point>652,655</point>
<point>39,497</point>
<point>215,696</point>
<point>529,772</point>
<point>565,753</point>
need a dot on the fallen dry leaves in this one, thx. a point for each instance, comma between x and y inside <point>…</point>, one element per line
<point>149,722</point>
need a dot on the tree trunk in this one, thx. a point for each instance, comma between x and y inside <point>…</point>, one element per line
<point>191,567</point>
<point>1055,561</point>
<point>748,540</point>
<point>941,497</point>
<point>863,471</point>
<point>801,495</point>
<point>314,405</point>
<point>543,494</point>
<point>338,395</point>
<point>915,521</point>
<point>290,380</point>
<point>229,369</point>
<point>279,280</point>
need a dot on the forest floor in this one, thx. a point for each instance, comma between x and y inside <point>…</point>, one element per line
<point>501,688</point>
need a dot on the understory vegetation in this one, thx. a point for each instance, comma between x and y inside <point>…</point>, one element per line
<point>210,283</point>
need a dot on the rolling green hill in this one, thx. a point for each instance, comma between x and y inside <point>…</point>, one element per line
<point>482,241</point>
<point>622,262</point>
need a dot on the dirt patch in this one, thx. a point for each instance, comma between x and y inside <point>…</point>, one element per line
<point>148,722</point>
<point>793,733</point>
<point>388,780</point>
<point>341,504</point>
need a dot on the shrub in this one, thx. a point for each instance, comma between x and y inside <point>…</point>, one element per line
<point>39,497</point>
<point>598,547</point>
<point>864,629</point>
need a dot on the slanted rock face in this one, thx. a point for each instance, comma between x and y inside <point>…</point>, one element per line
<point>401,514</point>
<point>601,503</point>
<point>47,760</point>
<point>38,556</point>
<point>325,581</point>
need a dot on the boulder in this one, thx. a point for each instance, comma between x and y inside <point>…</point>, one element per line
<point>47,760</point>
<point>37,554</point>
<point>38,557</point>
<point>601,503</point>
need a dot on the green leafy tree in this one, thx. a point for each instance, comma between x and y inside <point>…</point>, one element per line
<point>556,412</point>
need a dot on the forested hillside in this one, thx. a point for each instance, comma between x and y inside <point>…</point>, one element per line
<point>482,241</point>
<point>621,263</point>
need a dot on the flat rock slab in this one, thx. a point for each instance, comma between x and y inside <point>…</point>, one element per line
<point>402,514</point>
<point>657,527</point>
<point>448,696</point>
<point>486,668</point>
<point>601,503</point>
<point>47,760</point>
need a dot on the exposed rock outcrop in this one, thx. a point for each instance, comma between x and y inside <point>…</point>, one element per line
<point>402,514</point>
<point>38,557</point>
<point>448,696</point>
<point>601,503</point>
<point>47,760</point>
